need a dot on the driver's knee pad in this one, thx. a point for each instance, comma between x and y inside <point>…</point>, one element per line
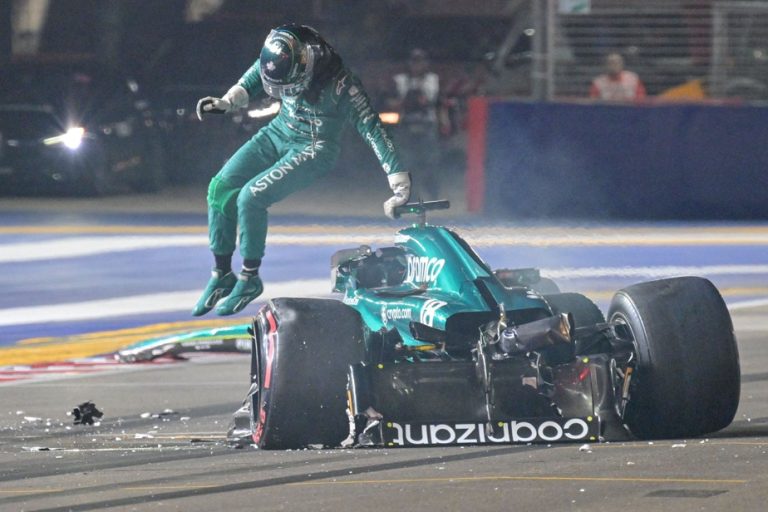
<point>222,196</point>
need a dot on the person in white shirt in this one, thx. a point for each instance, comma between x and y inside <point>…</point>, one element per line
<point>417,93</point>
<point>617,84</point>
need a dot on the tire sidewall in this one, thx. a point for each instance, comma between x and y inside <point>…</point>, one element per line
<point>302,372</point>
<point>686,379</point>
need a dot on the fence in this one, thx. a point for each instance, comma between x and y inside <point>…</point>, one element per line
<point>564,158</point>
<point>719,48</point>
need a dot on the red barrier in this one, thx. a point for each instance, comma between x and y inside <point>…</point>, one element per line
<point>474,179</point>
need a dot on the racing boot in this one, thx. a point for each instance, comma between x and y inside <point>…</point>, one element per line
<point>219,286</point>
<point>248,287</point>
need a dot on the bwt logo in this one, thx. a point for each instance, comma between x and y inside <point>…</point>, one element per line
<point>423,269</point>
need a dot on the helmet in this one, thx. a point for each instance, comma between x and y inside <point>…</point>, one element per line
<point>286,63</point>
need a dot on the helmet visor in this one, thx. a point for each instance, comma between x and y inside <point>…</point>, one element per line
<point>279,91</point>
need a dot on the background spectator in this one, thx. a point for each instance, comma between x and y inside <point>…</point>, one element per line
<point>617,84</point>
<point>417,92</point>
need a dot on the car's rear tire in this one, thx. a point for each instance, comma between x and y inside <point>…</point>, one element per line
<point>687,378</point>
<point>545,286</point>
<point>303,349</point>
<point>584,311</point>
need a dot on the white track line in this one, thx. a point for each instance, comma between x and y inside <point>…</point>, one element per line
<point>145,304</point>
<point>747,304</point>
<point>78,246</point>
<point>89,246</point>
<point>183,300</point>
<point>653,272</point>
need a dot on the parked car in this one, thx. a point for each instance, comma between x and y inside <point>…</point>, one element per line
<point>77,127</point>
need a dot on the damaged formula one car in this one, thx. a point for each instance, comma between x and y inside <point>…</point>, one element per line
<point>429,346</point>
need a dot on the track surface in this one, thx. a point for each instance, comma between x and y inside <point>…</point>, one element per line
<point>179,461</point>
<point>130,462</point>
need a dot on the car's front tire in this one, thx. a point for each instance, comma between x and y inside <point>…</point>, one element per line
<point>301,355</point>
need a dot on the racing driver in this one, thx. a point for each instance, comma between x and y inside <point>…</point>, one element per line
<point>318,95</point>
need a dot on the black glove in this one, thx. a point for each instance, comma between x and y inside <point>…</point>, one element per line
<point>211,105</point>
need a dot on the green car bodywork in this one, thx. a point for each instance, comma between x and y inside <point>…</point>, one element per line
<point>441,277</point>
<point>428,277</point>
<point>425,344</point>
<point>232,338</point>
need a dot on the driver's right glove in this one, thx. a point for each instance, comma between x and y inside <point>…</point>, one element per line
<point>400,183</point>
<point>211,105</point>
<point>236,97</point>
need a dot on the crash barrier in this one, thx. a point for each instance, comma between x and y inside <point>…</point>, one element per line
<point>528,159</point>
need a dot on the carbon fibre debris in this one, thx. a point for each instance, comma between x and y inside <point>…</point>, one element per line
<point>85,413</point>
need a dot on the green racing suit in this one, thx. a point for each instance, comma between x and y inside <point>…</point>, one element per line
<point>299,145</point>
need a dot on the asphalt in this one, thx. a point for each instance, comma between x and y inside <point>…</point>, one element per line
<point>132,461</point>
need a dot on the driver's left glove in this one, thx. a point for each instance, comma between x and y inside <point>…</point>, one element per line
<point>400,183</point>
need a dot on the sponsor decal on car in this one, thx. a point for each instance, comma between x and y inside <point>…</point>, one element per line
<point>423,269</point>
<point>501,432</point>
<point>397,313</point>
<point>428,310</point>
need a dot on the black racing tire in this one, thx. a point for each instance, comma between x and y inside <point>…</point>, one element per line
<point>513,278</point>
<point>687,379</point>
<point>303,349</point>
<point>584,312</point>
<point>545,286</point>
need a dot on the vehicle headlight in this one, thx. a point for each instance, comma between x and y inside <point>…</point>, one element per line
<point>72,138</point>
